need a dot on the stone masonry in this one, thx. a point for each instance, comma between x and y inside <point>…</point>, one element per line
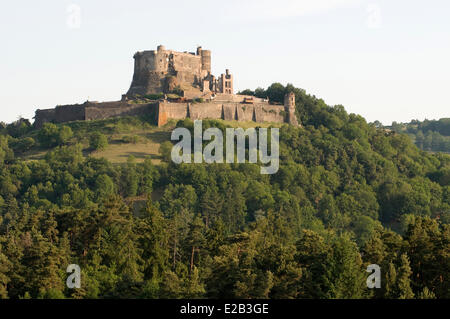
<point>169,71</point>
<point>195,94</point>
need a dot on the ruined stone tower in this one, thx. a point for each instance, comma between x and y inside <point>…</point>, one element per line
<point>226,83</point>
<point>289,106</point>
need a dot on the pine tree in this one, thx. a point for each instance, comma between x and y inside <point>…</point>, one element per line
<point>195,241</point>
<point>313,256</point>
<point>426,294</point>
<point>404,279</point>
<point>390,282</point>
<point>152,232</point>
<point>346,273</point>
<point>195,288</point>
<point>5,268</point>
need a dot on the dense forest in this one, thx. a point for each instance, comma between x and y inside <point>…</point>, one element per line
<point>347,194</point>
<point>427,135</point>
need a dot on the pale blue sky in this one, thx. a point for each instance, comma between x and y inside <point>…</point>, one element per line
<point>385,60</point>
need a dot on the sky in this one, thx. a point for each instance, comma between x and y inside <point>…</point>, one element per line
<point>385,60</point>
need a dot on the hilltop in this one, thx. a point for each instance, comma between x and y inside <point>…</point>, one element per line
<point>347,194</point>
<point>170,85</point>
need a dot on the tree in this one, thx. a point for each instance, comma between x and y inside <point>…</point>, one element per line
<point>105,187</point>
<point>51,135</point>
<point>24,144</point>
<point>276,92</point>
<point>428,253</point>
<point>153,241</point>
<point>130,178</point>
<point>64,135</point>
<point>5,267</point>
<point>148,176</point>
<point>313,256</point>
<point>98,141</point>
<point>346,275</point>
<point>195,241</point>
<point>166,151</point>
<point>404,279</point>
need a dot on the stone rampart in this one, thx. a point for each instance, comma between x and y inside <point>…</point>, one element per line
<point>225,111</point>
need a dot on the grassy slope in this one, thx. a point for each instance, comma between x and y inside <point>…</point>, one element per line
<point>150,138</point>
<point>148,146</point>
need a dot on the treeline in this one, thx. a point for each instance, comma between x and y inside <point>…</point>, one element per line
<point>427,135</point>
<point>347,195</point>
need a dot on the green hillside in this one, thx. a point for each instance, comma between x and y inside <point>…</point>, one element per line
<point>105,195</point>
<point>428,135</point>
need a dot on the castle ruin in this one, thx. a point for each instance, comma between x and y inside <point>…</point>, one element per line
<point>170,71</point>
<point>176,85</point>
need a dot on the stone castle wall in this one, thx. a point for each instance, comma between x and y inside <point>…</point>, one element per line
<point>163,111</point>
<point>109,110</point>
<point>43,116</point>
<point>69,113</point>
<point>92,111</point>
<point>60,114</point>
<point>225,111</point>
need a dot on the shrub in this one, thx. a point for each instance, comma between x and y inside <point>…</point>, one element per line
<point>130,139</point>
<point>98,141</point>
<point>52,135</point>
<point>165,149</point>
<point>64,135</point>
<point>23,144</point>
<point>198,100</point>
<point>178,91</point>
<point>173,96</point>
<point>154,96</point>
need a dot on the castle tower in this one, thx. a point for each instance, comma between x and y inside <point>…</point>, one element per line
<point>289,107</point>
<point>154,70</point>
<point>226,83</point>
<point>206,60</point>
